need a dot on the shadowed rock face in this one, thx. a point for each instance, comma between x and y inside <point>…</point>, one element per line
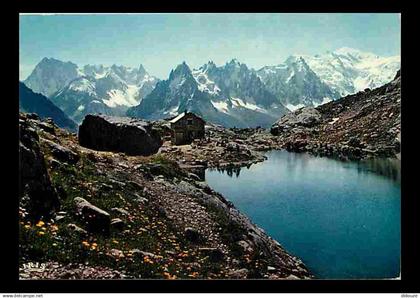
<point>119,134</point>
<point>36,193</point>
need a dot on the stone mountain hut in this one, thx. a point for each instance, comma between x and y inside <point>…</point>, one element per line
<point>185,128</point>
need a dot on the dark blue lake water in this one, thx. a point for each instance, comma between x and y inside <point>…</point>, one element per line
<point>341,218</point>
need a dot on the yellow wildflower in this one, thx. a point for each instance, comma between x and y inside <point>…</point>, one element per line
<point>147,260</point>
<point>40,223</point>
<point>41,233</point>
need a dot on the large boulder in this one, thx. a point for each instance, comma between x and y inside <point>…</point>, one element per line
<point>119,134</point>
<point>304,117</point>
<point>36,193</point>
<point>192,235</point>
<point>214,254</point>
<point>96,219</point>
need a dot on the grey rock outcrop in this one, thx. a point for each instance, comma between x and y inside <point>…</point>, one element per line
<point>61,153</point>
<point>36,193</point>
<point>119,134</point>
<point>96,219</point>
<point>306,117</point>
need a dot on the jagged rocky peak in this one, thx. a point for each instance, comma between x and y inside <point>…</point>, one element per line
<point>298,64</point>
<point>209,66</point>
<point>141,71</point>
<point>93,70</point>
<point>234,61</point>
<point>211,63</point>
<point>181,70</point>
<point>52,61</point>
<point>295,59</point>
<point>50,75</point>
<point>235,64</point>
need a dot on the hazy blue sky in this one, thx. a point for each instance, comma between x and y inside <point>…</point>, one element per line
<point>161,41</point>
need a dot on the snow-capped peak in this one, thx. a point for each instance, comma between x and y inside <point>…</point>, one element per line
<point>349,70</point>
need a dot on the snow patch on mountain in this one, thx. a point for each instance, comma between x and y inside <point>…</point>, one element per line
<point>237,102</point>
<point>83,85</point>
<point>204,83</point>
<point>294,107</point>
<point>173,111</point>
<point>120,98</point>
<point>221,106</point>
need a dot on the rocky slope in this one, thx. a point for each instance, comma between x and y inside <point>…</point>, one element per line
<point>79,91</point>
<point>365,124</point>
<point>30,102</point>
<point>120,216</point>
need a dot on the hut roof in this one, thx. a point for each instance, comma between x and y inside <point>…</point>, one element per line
<point>177,118</point>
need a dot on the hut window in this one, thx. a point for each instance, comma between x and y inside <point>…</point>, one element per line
<point>189,122</point>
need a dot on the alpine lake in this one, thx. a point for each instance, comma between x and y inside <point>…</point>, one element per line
<point>342,219</point>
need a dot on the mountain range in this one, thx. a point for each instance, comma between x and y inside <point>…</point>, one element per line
<point>90,89</point>
<point>231,95</point>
